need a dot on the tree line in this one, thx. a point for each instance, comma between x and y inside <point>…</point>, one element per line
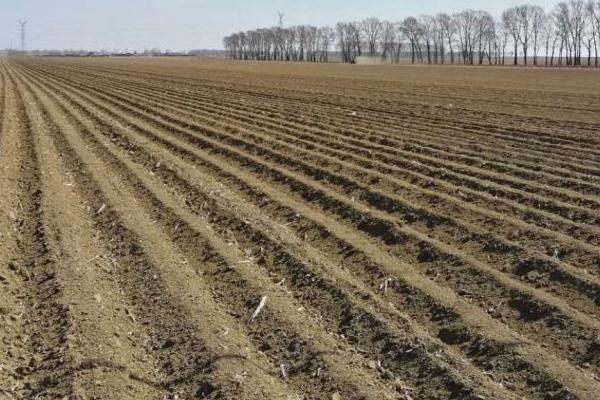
<point>567,35</point>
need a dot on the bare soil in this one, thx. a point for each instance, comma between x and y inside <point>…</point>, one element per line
<point>410,232</point>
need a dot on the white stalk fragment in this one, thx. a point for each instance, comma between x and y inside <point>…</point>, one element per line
<point>259,308</point>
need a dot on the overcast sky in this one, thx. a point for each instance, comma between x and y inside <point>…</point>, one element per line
<point>193,24</point>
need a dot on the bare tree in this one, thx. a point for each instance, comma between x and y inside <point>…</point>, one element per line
<point>427,27</point>
<point>348,41</point>
<point>549,36</point>
<point>412,30</point>
<point>503,34</point>
<point>562,20</point>
<point>588,41</point>
<point>327,38</point>
<point>577,27</point>
<point>466,23</point>
<point>593,10</point>
<point>387,40</point>
<point>372,28</point>
<point>538,18</point>
<point>523,15</point>
<point>511,23</point>
<point>485,34</point>
<point>356,31</point>
<point>565,35</point>
<point>447,31</point>
<point>400,40</point>
<point>529,19</point>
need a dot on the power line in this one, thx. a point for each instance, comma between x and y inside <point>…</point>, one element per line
<point>23,24</point>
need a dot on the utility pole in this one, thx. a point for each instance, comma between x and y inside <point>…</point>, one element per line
<point>281,15</point>
<point>23,24</point>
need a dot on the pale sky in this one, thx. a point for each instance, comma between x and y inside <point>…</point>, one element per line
<point>194,24</point>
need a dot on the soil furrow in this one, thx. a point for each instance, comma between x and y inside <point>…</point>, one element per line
<point>13,278</point>
<point>523,268</point>
<point>187,228</point>
<point>565,252</point>
<point>42,369</point>
<point>424,118</point>
<point>211,110</point>
<point>224,281</point>
<point>371,129</point>
<point>526,235</point>
<point>221,219</point>
<point>518,307</point>
<point>104,349</point>
<point>185,362</point>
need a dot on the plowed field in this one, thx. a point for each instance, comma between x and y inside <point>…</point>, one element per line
<point>177,229</point>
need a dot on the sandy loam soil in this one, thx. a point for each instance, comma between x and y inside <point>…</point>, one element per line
<point>189,229</point>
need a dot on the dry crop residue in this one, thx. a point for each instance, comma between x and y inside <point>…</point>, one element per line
<point>182,229</point>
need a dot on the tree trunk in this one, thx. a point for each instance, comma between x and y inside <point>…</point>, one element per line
<point>428,52</point>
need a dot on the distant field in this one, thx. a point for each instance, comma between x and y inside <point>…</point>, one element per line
<point>181,229</point>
